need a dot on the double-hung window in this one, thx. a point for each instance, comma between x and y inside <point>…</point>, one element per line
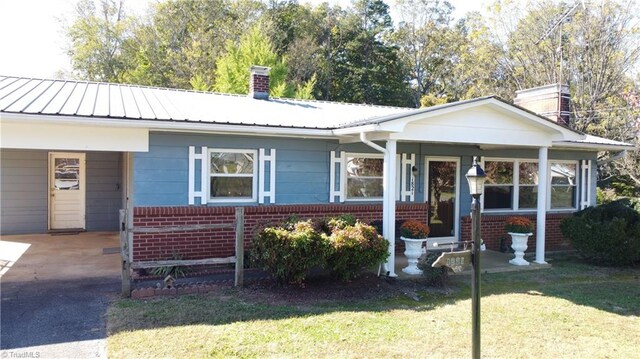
<point>232,175</point>
<point>498,188</point>
<point>510,184</point>
<point>513,184</point>
<point>364,174</point>
<point>527,185</point>
<point>563,184</point>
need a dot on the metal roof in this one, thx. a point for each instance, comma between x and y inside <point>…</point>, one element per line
<point>121,101</point>
<point>85,99</point>
<point>601,142</point>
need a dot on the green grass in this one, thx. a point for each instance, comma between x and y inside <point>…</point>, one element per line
<point>572,310</point>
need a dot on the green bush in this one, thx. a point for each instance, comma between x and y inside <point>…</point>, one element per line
<point>606,235</point>
<point>434,276</point>
<point>288,251</point>
<point>341,222</point>
<point>341,244</point>
<point>353,247</point>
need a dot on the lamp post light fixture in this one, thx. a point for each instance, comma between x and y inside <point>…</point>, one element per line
<point>475,177</point>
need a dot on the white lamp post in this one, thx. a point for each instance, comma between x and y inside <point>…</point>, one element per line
<point>475,177</point>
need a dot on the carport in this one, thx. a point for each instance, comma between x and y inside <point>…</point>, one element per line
<point>55,291</point>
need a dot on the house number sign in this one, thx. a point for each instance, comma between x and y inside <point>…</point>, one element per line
<point>457,261</point>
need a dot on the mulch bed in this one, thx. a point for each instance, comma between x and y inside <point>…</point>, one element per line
<point>316,289</point>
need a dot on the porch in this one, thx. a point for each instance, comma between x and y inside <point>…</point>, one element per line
<point>490,262</point>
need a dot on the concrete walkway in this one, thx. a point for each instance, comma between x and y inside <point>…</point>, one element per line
<point>55,291</point>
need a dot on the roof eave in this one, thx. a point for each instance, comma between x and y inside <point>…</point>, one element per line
<point>593,146</point>
<point>168,125</point>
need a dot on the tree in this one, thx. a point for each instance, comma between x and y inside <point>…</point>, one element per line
<point>427,45</point>
<point>179,42</point>
<point>365,69</point>
<point>594,51</point>
<point>96,38</point>
<point>232,69</point>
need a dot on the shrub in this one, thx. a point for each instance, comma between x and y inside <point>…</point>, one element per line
<point>518,225</point>
<point>433,276</point>
<point>352,248</point>
<point>607,235</point>
<point>414,229</point>
<point>288,252</point>
<point>341,222</point>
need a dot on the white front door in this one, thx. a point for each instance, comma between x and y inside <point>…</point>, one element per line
<point>442,190</point>
<point>66,190</point>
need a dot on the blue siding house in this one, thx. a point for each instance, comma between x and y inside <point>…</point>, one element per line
<point>73,153</point>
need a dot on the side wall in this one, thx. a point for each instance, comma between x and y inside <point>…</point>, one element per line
<point>221,242</point>
<point>302,178</point>
<point>23,191</point>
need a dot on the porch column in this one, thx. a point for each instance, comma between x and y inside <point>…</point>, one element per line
<point>542,203</point>
<point>389,204</point>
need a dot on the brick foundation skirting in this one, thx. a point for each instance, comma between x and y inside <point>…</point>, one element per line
<point>217,243</point>
<point>492,230</point>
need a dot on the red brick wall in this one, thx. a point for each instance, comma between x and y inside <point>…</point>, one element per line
<point>221,242</point>
<point>492,229</point>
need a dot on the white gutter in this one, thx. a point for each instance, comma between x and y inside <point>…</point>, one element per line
<point>166,125</point>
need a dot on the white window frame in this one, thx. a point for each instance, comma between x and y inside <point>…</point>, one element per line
<point>346,176</point>
<point>577,181</point>
<point>515,182</point>
<point>254,176</point>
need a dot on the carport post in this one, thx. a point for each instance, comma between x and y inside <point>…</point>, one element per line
<point>124,251</point>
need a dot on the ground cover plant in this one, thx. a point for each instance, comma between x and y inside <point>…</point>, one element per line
<point>570,310</point>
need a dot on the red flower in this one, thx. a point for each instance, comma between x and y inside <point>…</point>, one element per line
<point>414,229</point>
<point>518,225</point>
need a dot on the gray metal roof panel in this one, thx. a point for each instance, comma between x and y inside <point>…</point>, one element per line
<point>96,99</point>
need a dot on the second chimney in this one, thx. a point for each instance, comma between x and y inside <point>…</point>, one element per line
<point>259,82</point>
<point>551,101</point>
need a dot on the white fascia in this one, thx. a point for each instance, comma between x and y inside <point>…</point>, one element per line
<point>166,125</point>
<point>592,146</point>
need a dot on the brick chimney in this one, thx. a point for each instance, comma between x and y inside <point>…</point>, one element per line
<point>259,82</point>
<point>551,101</point>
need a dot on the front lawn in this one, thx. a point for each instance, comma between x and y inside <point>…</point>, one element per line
<point>571,310</point>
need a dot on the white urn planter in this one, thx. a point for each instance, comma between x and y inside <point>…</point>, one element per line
<point>413,251</point>
<point>519,245</point>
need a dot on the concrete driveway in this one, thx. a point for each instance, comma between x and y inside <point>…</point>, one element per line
<point>55,291</point>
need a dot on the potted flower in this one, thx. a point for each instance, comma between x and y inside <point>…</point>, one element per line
<point>519,228</point>
<point>414,234</point>
<point>414,229</point>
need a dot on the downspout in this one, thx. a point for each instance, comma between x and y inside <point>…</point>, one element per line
<point>612,158</point>
<point>363,139</point>
<point>388,200</point>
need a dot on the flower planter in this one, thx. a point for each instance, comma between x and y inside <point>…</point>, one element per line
<point>519,245</point>
<point>413,251</point>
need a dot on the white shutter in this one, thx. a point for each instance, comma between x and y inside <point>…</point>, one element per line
<point>336,163</point>
<point>204,175</point>
<point>407,191</point>
<point>585,184</point>
<point>263,158</point>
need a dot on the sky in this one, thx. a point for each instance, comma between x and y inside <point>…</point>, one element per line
<point>34,45</point>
